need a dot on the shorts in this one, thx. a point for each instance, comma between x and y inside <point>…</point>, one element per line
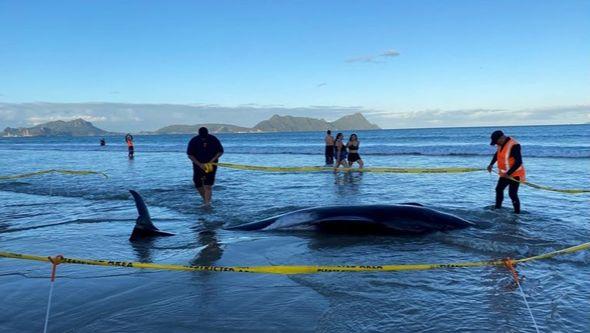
<point>200,178</point>
<point>353,157</point>
<point>131,149</point>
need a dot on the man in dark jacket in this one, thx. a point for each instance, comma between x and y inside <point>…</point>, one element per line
<point>510,168</point>
<point>202,150</point>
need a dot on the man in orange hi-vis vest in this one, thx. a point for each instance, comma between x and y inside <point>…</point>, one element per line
<point>510,167</point>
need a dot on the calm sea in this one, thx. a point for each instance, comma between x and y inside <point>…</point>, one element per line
<point>92,217</point>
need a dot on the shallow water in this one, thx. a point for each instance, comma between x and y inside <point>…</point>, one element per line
<point>92,217</point>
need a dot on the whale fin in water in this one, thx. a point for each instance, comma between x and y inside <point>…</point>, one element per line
<point>144,227</point>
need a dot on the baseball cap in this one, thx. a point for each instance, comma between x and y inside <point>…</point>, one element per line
<point>495,136</point>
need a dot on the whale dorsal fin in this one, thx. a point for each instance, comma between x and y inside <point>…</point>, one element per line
<point>144,219</point>
<point>144,227</point>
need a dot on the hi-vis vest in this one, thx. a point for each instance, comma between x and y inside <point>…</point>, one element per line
<point>505,161</point>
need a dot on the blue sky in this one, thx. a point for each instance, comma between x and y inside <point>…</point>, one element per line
<point>392,60</point>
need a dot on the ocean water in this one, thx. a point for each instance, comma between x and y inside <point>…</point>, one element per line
<point>92,217</point>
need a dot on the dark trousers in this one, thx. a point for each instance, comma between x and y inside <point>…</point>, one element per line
<point>512,192</point>
<point>329,155</point>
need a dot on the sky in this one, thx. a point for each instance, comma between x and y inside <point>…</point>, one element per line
<point>400,63</point>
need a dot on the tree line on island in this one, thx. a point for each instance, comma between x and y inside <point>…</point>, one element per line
<point>276,123</point>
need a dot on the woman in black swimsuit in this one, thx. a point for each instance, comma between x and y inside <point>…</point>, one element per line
<point>353,151</point>
<point>340,151</point>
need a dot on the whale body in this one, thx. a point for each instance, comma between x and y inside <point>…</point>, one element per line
<point>408,218</point>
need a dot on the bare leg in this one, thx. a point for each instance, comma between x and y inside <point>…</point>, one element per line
<point>201,191</point>
<point>208,194</point>
<point>338,162</point>
<point>361,164</point>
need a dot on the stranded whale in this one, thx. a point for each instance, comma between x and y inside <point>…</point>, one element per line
<point>144,227</point>
<point>407,218</point>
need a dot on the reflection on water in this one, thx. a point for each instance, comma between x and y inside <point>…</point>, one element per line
<point>142,249</point>
<point>210,249</point>
<point>347,184</point>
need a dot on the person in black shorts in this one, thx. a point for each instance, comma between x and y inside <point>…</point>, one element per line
<point>130,145</point>
<point>329,152</point>
<point>353,151</point>
<point>202,150</point>
<point>340,152</point>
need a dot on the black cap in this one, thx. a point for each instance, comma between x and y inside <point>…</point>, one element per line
<point>495,136</point>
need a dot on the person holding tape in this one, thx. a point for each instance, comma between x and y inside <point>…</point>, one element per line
<point>203,150</point>
<point>510,168</point>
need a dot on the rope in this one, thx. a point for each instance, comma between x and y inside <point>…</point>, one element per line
<point>510,265</point>
<point>547,188</point>
<point>65,172</point>
<point>54,262</point>
<point>384,170</point>
<point>291,270</point>
<point>330,169</point>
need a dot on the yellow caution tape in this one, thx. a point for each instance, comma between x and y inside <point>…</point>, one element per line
<point>291,270</point>
<point>324,169</point>
<point>386,170</point>
<point>547,188</point>
<point>65,172</point>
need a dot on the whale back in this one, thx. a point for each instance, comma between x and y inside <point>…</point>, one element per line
<point>407,218</point>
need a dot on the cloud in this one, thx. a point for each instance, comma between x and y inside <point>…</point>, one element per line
<point>125,117</point>
<point>36,120</point>
<point>323,84</point>
<point>390,54</point>
<point>376,59</point>
<point>572,114</point>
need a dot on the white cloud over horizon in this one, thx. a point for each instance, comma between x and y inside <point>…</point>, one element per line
<point>571,114</point>
<point>36,120</point>
<point>124,117</point>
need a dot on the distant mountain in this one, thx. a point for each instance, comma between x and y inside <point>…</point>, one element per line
<point>276,123</point>
<point>354,121</point>
<point>292,124</point>
<point>77,127</point>
<point>191,129</point>
<point>279,124</point>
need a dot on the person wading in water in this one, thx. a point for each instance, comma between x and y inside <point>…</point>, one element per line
<point>510,165</point>
<point>329,153</point>
<point>203,150</point>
